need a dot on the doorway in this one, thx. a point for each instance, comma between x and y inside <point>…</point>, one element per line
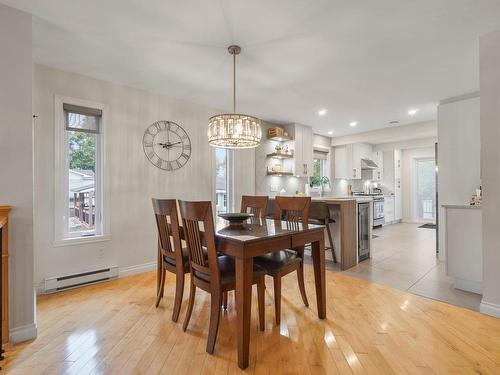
<point>425,190</point>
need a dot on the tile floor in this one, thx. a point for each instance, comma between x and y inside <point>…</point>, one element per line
<point>403,256</point>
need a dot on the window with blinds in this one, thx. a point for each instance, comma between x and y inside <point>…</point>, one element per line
<point>320,158</point>
<point>82,181</point>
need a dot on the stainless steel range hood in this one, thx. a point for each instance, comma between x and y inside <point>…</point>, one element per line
<point>368,164</point>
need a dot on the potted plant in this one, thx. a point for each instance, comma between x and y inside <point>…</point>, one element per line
<point>315,181</point>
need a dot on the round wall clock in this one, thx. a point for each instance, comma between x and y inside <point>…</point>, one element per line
<point>166,145</point>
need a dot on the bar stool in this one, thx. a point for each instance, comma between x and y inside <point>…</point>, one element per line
<point>320,214</point>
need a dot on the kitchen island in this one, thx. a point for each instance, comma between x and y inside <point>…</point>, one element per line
<point>344,210</point>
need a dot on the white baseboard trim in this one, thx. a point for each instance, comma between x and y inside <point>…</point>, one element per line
<point>139,268</point>
<point>490,308</point>
<point>23,333</point>
<point>469,286</point>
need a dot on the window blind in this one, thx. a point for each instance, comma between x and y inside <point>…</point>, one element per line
<point>320,154</point>
<point>82,119</point>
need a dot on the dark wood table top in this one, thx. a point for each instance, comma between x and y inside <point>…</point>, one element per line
<point>256,229</point>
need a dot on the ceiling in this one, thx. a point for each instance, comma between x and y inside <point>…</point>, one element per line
<point>364,61</point>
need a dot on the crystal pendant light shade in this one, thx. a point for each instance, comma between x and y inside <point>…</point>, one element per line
<point>234,130</point>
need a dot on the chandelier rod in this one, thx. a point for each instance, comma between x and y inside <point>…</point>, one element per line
<point>234,50</point>
<point>234,82</point>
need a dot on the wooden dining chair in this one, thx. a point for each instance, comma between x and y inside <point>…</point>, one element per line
<point>211,272</point>
<point>295,212</point>
<point>255,204</point>
<point>171,256</point>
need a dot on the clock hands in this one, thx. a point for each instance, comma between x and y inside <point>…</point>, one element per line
<point>168,144</point>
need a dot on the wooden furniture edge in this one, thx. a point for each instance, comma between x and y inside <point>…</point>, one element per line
<point>4,223</point>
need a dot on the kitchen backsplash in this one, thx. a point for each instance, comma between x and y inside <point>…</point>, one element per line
<point>340,186</point>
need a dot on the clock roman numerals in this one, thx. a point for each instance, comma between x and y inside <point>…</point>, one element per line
<point>166,145</point>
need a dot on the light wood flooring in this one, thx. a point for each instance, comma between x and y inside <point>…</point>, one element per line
<point>114,328</point>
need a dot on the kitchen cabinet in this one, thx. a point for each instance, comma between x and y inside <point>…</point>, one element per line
<point>348,160</point>
<point>340,162</point>
<point>389,210</point>
<point>464,243</point>
<point>303,151</point>
<point>398,200</point>
<point>378,158</point>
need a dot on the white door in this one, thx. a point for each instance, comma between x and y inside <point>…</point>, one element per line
<point>425,189</point>
<point>398,200</point>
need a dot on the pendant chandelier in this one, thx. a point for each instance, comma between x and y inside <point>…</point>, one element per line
<point>234,130</point>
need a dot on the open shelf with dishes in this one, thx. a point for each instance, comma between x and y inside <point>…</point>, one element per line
<point>280,153</point>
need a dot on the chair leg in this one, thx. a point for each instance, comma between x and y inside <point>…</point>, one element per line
<point>224,300</point>
<point>277,298</point>
<point>300,278</point>
<point>215,305</point>
<point>261,287</point>
<point>330,239</point>
<point>192,293</point>
<point>161,286</point>
<point>179,291</point>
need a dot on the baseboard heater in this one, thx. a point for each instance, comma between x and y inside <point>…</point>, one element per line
<point>64,282</point>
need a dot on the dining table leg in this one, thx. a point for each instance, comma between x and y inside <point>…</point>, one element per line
<point>318,255</point>
<point>244,275</point>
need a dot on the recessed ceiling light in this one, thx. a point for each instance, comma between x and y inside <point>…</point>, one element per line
<point>330,132</point>
<point>412,112</point>
<point>322,112</point>
<point>353,123</point>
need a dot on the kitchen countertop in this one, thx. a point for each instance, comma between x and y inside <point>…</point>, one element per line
<point>359,199</point>
<point>461,206</point>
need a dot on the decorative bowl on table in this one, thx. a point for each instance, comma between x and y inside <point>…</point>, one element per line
<point>236,219</point>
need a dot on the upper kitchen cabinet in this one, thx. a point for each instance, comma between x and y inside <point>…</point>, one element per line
<point>303,151</point>
<point>348,160</point>
<point>378,158</point>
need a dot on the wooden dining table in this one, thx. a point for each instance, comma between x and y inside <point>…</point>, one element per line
<point>258,237</point>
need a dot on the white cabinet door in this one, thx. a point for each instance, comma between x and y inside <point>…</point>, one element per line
<point>307,150</point>
<point>354,156</point>
<point>303,151</point>
<point>340,162</point>
<point>378,158</point>
<point>398,199</point>
<point>389,209</point>
<point>298,169</point>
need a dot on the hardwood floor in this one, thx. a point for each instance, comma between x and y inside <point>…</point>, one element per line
<point>114,328</point>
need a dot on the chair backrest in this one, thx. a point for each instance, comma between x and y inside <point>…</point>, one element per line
<point>193,214</point>
<point>254,204</point>
<point>293,210</point>
<point>167,222</point>
<point>319,211</point>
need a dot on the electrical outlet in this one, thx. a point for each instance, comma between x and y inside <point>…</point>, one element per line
<point>100,253</point>
<point>274,188</point>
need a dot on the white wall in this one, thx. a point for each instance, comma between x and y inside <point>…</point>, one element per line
<point>130,179</point>
<point>408,180</point>
<point>16,164</point>
<point>458,156</point>
<point>490,156</point>
<point>244,176</point>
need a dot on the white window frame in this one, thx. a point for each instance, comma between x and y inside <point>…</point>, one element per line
<point>61,169</point>
<point>229,180</point>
